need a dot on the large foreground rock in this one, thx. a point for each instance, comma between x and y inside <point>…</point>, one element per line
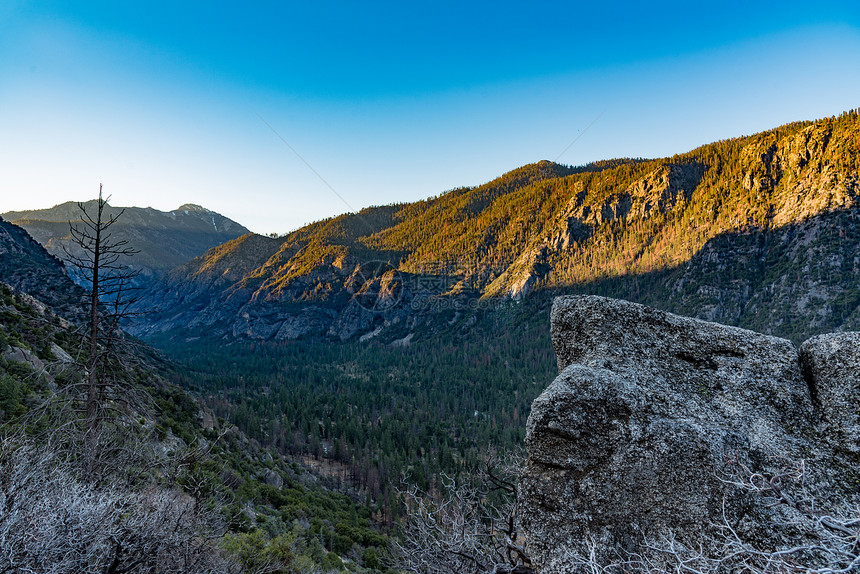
<point>832,365</point>
<point>650,410</point>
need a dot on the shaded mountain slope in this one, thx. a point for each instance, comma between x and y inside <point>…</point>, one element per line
<point>549,227</point>
<point>793,281</point>
<point>163,239</point>
<point>27,267</point>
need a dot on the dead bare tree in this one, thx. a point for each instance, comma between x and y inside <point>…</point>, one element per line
<point>822,535</point>
<point>467,530</point>
<point>50,522</point>
<point>99,261</point>
<point>83,486</point>
<point>472,527</point>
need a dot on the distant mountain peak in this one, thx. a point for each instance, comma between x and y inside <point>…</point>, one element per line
<point>163,239</point>
<point>192,207</point>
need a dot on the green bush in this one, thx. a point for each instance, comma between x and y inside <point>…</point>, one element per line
<point>12,397</point>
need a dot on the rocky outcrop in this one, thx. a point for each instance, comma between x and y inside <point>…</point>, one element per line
<point>831,364</point>
<point>660,191</point>
<point>650,409</point>
<point>20,355</point>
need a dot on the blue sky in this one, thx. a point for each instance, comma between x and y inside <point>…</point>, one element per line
<point>168,103</point>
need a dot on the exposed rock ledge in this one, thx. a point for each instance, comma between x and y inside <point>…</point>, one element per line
<point>631,439</point>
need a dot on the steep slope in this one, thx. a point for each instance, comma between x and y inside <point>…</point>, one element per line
<point>26,266</point>
<point>179,490</point>
<point>163,239</point>
<point>197,292</point>
<point>762,182</point>
<point>338,276</point>
<point>550,227</point>
<point>794,281</point>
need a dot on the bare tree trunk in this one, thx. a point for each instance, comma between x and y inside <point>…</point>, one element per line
<point>92,406</point>
<point>97,258</point>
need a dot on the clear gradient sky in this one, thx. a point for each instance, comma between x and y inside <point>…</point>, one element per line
<point>192,102</point>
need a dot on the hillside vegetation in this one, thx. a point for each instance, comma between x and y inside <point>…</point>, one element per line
<point>550,227</point>
<point>407,342</point>
<point>174,489</point>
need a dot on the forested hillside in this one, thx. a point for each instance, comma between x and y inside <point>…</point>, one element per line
<point>163,484</point>
<point>547,227</point>
<point>406,340</point>
<point>405,343</point>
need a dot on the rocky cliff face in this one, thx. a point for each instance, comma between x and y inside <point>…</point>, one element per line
<point>654,416</point>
